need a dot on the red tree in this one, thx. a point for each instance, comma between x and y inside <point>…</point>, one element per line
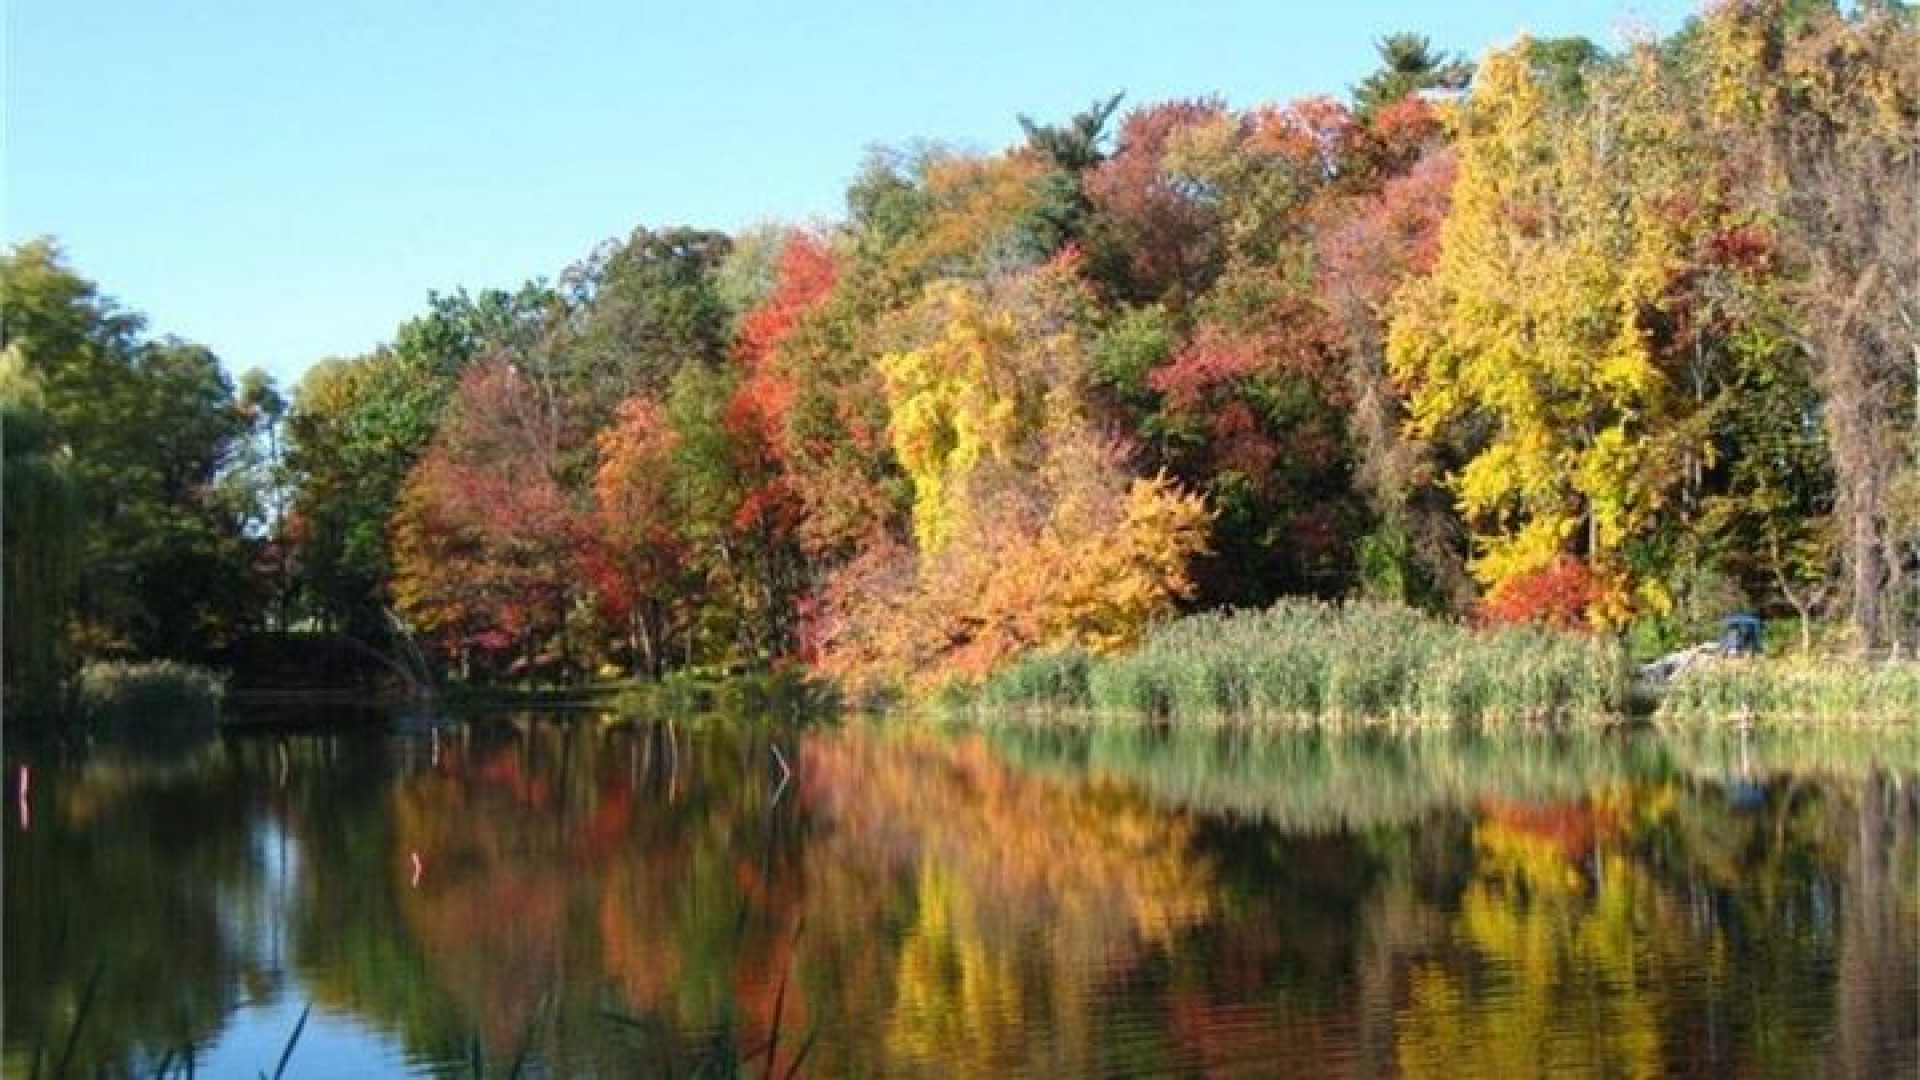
<point>756,416</point>
<point>486,540</point>
<point>770,511</point>
<point>1148,218</point>
<point>638,560</point>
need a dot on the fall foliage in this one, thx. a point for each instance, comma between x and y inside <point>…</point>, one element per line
<point>1621,340</point>
<point>1532,340</point>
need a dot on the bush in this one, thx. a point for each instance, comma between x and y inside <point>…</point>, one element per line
<point>1559,595</point>
<point>149,694</point>
<point>1129,685</point>
<point>783,694</point>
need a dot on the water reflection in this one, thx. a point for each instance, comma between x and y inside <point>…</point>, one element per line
<point>588,901</point>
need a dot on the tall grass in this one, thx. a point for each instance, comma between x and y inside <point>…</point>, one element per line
<point>155,694</point>
<point>1768,692</point>
<point>1364,665</point>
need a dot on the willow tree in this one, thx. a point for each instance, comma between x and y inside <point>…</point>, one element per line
<point>163,567</point>
<point>41,524</point>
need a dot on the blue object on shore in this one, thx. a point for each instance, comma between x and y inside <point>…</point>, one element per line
<point>1740,635</point>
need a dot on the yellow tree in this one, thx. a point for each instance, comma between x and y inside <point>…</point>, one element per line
<point>1029,530</point>
<point>977,393</point>
<point>1532,344</point>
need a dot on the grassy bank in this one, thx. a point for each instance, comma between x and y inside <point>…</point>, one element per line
<point>1800,692</point>
<point>1310,664</point>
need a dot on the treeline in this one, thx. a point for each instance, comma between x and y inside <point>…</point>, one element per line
<point>1622,340</point>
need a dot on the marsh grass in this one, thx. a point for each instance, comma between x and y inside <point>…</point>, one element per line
<point>153,694</point>
<point>1302,663</point>
<point>1765,693</point>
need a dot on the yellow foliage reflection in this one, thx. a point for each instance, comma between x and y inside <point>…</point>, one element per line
<point>957,996</point>
<point>1025,892</point>
<point>1558,956</point>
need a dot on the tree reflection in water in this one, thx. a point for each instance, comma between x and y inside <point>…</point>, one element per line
<point>989,903</point>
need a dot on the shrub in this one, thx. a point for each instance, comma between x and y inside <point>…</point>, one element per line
<point>1557,596</point>
<point>1057,679</point>
<point>149,694</point>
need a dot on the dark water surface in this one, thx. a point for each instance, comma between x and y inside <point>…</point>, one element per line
<point>578,900</point>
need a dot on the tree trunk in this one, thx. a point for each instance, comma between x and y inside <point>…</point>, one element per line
<point>640,645</point>
<point>1868,576</point>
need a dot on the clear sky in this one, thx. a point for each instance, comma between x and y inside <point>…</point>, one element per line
<point>287,181</point>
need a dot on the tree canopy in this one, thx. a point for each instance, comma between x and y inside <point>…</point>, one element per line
<point>1613,340</point>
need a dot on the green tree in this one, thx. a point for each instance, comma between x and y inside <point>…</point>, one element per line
<point>257,489</point>
<point>151,425</point>
<point>356,429</point>
<point>645,308</point>
<point>1062,211</point>
<point>1408,65</point>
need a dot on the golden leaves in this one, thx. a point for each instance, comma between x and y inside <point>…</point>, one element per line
<point>1030,531</point>
<point>1528,345</point>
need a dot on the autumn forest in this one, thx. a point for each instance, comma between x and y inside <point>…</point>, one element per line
<point>1616,341</point>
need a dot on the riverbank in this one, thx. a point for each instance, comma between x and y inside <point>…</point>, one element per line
<point>1297,665</point>
<point>172,699</point>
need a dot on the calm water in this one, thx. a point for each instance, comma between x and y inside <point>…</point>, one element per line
<point>904,902</point>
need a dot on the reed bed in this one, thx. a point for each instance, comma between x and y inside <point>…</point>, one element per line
<point>1311,664</point>
<point>1764,693</point>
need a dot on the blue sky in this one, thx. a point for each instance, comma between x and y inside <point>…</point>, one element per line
<point>287,181</point>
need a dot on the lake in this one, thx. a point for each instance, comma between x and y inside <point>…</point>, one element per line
<point>551,896</point>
